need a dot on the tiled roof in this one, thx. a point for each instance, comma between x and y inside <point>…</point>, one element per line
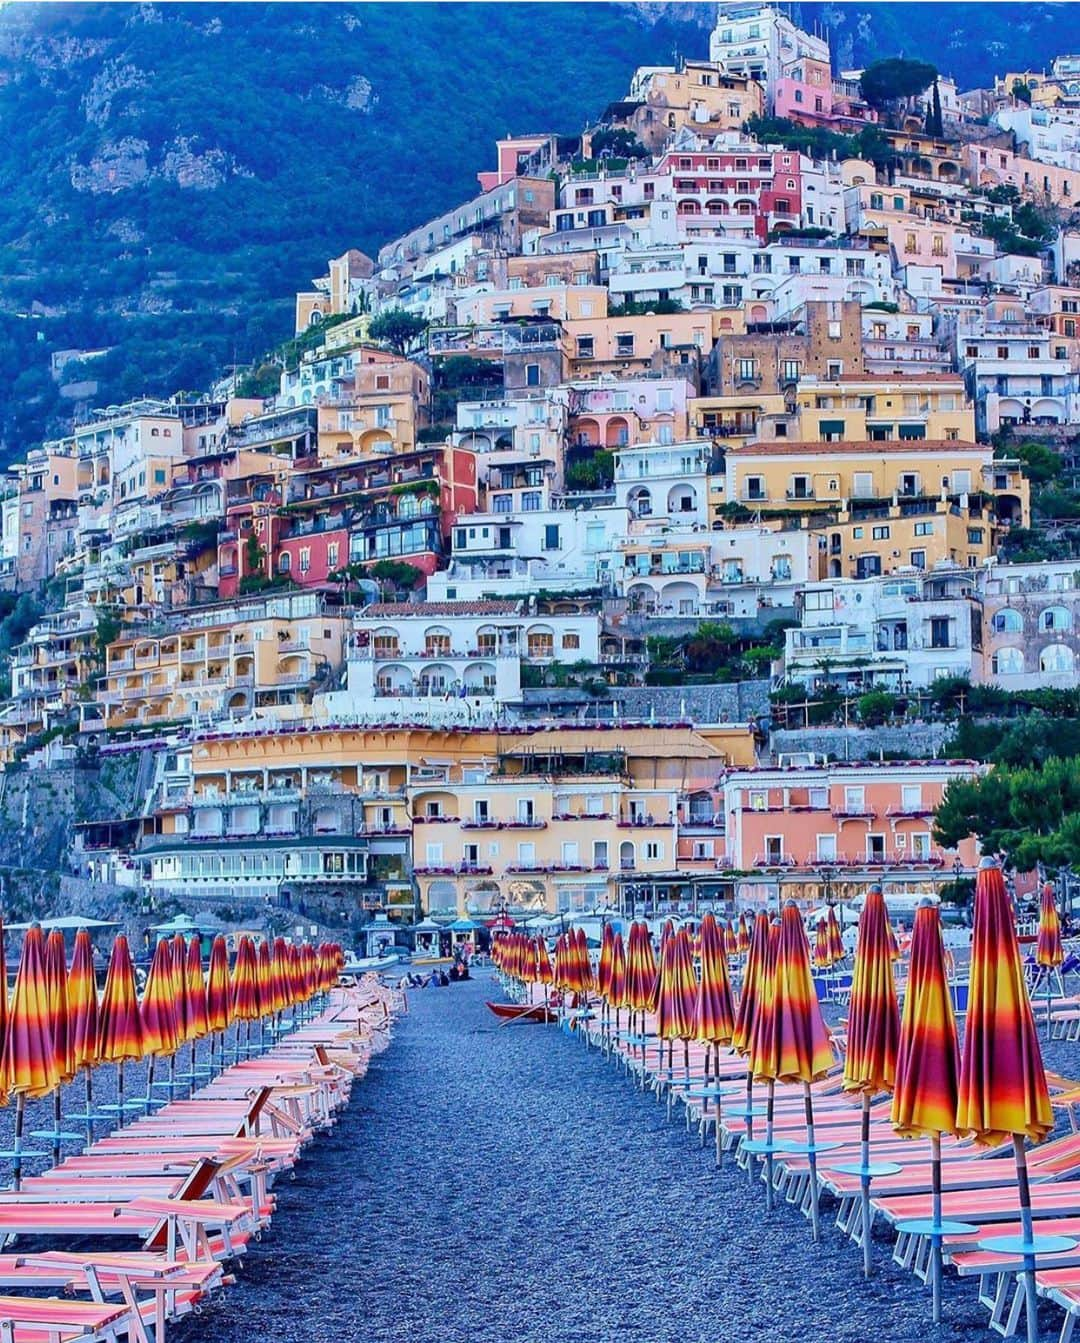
<point>878,447</point>
<point>399,609</point>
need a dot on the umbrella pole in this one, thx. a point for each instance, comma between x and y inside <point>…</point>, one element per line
<point>718,1115</point>
<point>864,1180</point>
<point>56,1126</point>
<point>16,1162</point>
<point>808,1103</point>
<point>1031,1307</point>
<point>120,1093</point>
<point>1048,1000</point>
<point>89,1106</point>
<point>769,1145</point>
<point>172,1075</point>
<point>935,1237</point>
<point>150,1081</point>
<point>749,1117</point>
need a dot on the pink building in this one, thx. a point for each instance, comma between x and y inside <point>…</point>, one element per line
<point>808,831</point>
<point>808,94</point>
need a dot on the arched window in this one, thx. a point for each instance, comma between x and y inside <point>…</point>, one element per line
<point>1008,662</point>
<point>1056,658</point>
<point>284,562</point>
<point>1056,618</point>
<point>1008,621</point>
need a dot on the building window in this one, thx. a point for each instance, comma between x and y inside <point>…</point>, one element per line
<point>551,537</point>
<point>532,375</point>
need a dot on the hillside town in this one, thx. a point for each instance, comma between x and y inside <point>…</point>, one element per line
<point>531,577</point>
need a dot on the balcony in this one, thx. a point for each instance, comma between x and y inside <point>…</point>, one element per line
<point>846,813</point>
<point>775,859</point>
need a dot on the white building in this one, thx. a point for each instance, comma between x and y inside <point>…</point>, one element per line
<point>665,483</point>
<point>760,41</point>
<point>904,630</point>
<point>1016,374</point>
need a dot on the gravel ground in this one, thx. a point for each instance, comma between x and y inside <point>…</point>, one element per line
<point>493,1184</point>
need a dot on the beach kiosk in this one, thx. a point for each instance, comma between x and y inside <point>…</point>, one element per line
<point>378,938</point>
<point>463,935</point>
<point>427,945</point>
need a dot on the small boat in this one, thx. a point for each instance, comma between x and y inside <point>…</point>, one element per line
<point>531,1012</point>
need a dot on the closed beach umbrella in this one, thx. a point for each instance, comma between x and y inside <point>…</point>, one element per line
<point>245,1005</point>
<point>603,965</point>
<point>280,962</point>
<point>873,1032</point>
<point>751,984</point>
<point>1049,952</point>
<point>264,972</point>
<point>753,1030</point>
<point>158,1008</point>
<point>56,984</point>
<point>797,1043</point>
<point>836,941</point>
<point>195,992</point>
<point>927,1086</point>
<point>616,987</point>
<point>586,979</point>
<point>178,956</point>
<point>713,1020</point>
<point>894,942</point>
<point>1003,1092</point>
<point>822,950</point>
<point>544,972</point>
<point>29,1060</point>
<point>83,1020</point>
<point>219,993</point>
<point>744,933</point>
<point>119,1025</point>
<point>678,989</point>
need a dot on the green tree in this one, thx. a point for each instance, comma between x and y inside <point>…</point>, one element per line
<point>711,647</point>
<point>1021,91</point>
<point>1029,815</point>
<point>617,142</point>
<point>108,630</point>
<point>885,84</point>
<point>262,381</point>
<point>935,125</point>
<point>592,473</point>
<point>399,329</point>
<point>397,574</point>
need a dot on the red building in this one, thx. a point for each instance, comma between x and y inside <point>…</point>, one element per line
<point>749,182</point>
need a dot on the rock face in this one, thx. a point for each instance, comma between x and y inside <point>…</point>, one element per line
<point>188,168</point>
<point>117,165</point>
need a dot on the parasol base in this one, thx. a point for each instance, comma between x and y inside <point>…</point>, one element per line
<point>55,1135</point>
<point>869,1172</point>
<point>706,1093</point>
<point>762,1146</point>
<point>85,1117</point>
<point>637,1040</point>
<point>926,1226</point>
<point>811,1148</point>
<point>24,1155</point>
<point>1017,1245</point>
<point>753,1112</point>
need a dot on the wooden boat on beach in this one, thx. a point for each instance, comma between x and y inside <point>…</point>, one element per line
<point>530,1012</point>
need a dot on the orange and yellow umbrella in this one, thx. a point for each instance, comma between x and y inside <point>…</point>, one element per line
<point>750,994</point>
<point>195,1015</point>
<point>603,966</point>
<point>83,1002</point>
<point>218,989</point>
<point>56,984</point>
<point>264,975</point>
<point>1049,952</point>
<point>823,956</point>
<point>731,940</point>
<point>873,1018</point>
<point>927,1085</point>
<point>245,1004</point>
<point>29,1059</point>
<point>894,942</point>
<point>836,940</point>
<point>119,1025</point>
<point>744,934</point>
<point>714,1013</point>
<point>159,1004</point>
<point>678,989</point>
<point>616,987</point>
<point>279,961</point>
<point>1003,1088</point>
<point>544,972</point>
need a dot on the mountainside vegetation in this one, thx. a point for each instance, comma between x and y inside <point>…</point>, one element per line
<point>171,174</point>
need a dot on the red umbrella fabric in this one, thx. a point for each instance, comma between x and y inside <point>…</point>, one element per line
<point>873,1016</point>
<point>245,1005</point>
<point>279,961</point>
<point>616,989</point>
<point>83,1002</point>
<point>159,1003</point>
<point>1003,1088</point>
<point>195,1015</point>
<point>119,1025</point>
<point>744,933</point>
<point>264,978</point>
<point>56,983</point>
<point>797,1045</point>
<point>678,989</point>
<point>750,996</point>
<point>927,1086</point>
<point>836,940</point>
<point>1049,952</point>
<point>713,1014</point>
<point>603,968</point>
<point>218,988</point>
<point>823,956</point>
<point>29,1060</point>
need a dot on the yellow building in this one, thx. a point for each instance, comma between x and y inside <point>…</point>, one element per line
<point>562,302</point>
<point>450,821</point>
<point>383,410</point>
<point>648,343</point>
<point>267,654</point>
<point>699,94</point>
<point>885,497</point>
<point>879,408</point>
<point>729,420</point>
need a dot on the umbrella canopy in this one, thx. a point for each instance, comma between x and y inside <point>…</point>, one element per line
<point>158,1008</point>
<point>279,961</point>
<point>56,985</point>
<point>744,933</point>
<point>796,1045</point>
<point>29,1060</point>
<point>836,940</point>
<point>544,972</point>
<point>616,987</point>
<point>713,1015</point>
<point>1002,1081</point>
<point>731,940</point>
<point>195,993</point>
<point>751,985</point>
<point>758,1056</point>
<point>245,1004</point>
<point>582,964</point>
<point>83,1002</point>
<point>1048,950</point>
<point>218,991</point>
<point>927,1059</point>
<point>873,1017</point>
<point>264,975</point>
<point>178,955</point>
<point>119,1024</point>
<point>678,989</point>
<point>823,956</point>
<point>894,942</point>
<point>641,969</point>
<point>603,968</point>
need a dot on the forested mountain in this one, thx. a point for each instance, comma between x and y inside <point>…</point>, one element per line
<point>170,174</point>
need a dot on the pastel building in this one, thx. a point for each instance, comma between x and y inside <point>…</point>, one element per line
<point>1031,626</point>
<point>822,832</point>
